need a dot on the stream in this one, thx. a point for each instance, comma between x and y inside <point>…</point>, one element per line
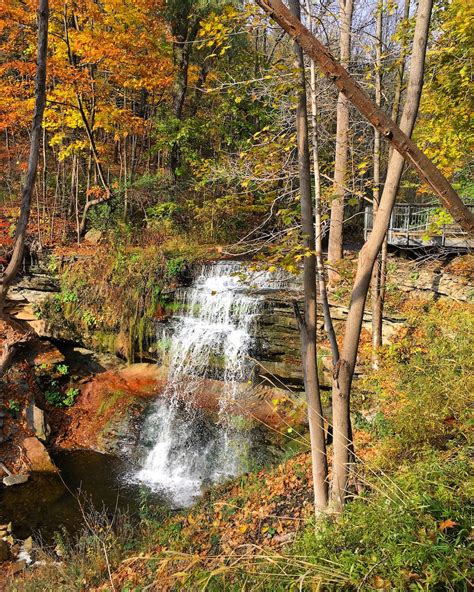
<point>47,502</point>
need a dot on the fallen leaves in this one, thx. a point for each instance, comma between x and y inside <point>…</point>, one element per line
<point>445,524</point>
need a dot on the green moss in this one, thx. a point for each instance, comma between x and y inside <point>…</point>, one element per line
<point>110,401</point>
<point>119,292</point>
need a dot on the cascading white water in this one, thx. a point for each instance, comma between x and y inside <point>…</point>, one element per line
<point>214,328</point>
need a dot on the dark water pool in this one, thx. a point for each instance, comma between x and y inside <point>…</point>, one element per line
<point>46,502</point>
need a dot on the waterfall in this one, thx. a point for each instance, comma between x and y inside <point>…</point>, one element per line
<point>214,328</point>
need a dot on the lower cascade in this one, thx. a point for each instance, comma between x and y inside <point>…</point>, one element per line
<point>215,328</point>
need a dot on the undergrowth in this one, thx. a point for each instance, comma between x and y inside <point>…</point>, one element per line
<point>114,296</point>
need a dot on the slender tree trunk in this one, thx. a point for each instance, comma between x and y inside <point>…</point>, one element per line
<point>343,377</point>
<point>426,170</point>
<point>335,248</point>
<point>40,100</point>
<point>379,276</point>
<point>376,301</point>
<point>125,179</point>
<point>182,52</point>
<point>320,268</point>
<point>76,203</point>
<point>308,323</point>
<point>400,72</point>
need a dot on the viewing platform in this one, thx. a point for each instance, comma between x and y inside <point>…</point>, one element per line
<point>421,226</point>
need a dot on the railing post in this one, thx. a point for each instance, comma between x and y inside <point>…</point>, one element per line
<point>408,218</point>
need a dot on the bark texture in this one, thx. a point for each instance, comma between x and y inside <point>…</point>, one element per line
<point>36,133</point>
<point>336,234</point>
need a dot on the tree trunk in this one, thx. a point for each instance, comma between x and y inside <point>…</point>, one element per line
<point>400,72</point>
<point>40,100</point>
<point>308,324</point>
<point>343,377</point>
<point>425,169</point>
<point>335,247</point>
<point>323,295</point>
<point>375,296</point>
<point>182,48</point>
<point>379,275</point>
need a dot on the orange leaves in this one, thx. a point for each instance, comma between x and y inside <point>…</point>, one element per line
<point>446,524</point>
<point>113,46</point>
<point>96,192</point>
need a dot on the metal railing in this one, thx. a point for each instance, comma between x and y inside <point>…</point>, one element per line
<point>421,225</point>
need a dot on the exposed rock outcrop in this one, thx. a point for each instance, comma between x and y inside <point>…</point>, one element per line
<point>37,456</point>
<point>37,422</point>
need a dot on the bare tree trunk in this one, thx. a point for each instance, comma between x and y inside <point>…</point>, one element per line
<point>308,323</point>
<point>323,295</point>
<point>40,100</point>
<point>125,178</point>
<point>425,169</point>
<point>380,280</point>
<point>400,73</point>
<point>335,248</point>
<point>343,377</point>
<point>376,302</point>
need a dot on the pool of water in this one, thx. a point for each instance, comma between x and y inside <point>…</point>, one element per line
<point>47,502</point>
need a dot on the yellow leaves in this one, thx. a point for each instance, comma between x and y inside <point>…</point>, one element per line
<point>216,29</point>
<point>72,148</point>
<point>443,127</point>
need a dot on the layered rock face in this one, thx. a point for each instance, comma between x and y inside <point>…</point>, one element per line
<point>279,353</point>
<point>277,348</point>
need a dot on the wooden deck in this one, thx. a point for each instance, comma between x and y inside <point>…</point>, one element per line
<point>417,226</point>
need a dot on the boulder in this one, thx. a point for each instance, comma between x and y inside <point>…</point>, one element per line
<point>93,236</point>
<point>15,480</point>
<point>37,422</point>
<point>38,456</point>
